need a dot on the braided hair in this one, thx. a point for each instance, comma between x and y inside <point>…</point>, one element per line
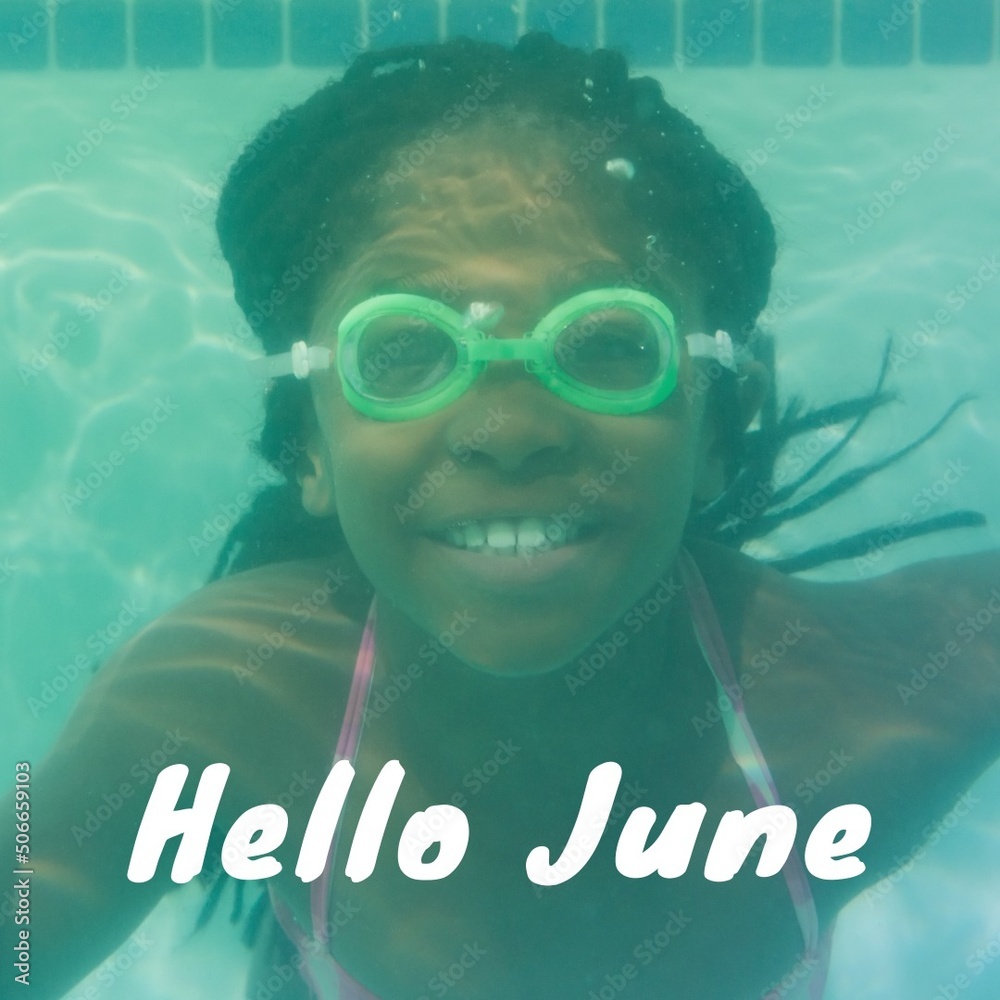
<point>308,181</point>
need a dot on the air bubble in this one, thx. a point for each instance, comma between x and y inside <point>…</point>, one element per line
<point>621,168</point>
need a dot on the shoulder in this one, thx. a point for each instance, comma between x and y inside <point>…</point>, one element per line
<point>946,616</point>
<point>933,621</point>
<point>250,617</point>
<point>252,671</point>
<point>884,691</point>
<point>248,670</point>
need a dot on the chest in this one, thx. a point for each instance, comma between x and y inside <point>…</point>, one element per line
<point>490,927</point>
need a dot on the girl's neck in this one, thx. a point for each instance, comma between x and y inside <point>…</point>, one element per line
<point>644,675</point>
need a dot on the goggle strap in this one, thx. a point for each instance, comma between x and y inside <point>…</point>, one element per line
<point>299,361</point>
<point>718,348</point>
<point>303,359</point>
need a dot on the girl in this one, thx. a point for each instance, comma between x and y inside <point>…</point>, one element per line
<point>510,298</point>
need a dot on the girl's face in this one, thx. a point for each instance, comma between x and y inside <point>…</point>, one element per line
<point>409,493</point>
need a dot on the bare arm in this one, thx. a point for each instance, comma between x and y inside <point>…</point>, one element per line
<point>951,684</point>
<point>88,794</point>
<point>185,691</point>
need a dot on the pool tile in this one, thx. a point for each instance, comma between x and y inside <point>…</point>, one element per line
<point>947,36</point>
<point>483,20</point>
<point>401,22</point>
<point>246,33</point>
<point>654,45</point>
<point>572,22</point>
<point>322,33</point>
<point>797,32</point>
<point>169,34</point>
<point>24,27</point>
<point>716,33</point>
<point>90,34</point>
<point>875,33</point>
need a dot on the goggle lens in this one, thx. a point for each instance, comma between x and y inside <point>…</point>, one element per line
<point>402,356</point>
<point>614,350</point>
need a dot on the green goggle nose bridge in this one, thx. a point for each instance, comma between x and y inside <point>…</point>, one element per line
<point>612,351</point>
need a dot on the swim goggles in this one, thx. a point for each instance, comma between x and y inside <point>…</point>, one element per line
<point>400,356</point>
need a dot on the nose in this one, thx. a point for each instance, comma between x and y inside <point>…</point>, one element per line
<point>510,421</point>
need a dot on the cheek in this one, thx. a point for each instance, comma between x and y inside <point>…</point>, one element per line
<point>375,466</point>
<point>667,483</point>
<point>672,438</point>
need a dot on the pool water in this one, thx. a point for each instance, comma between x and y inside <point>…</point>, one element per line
<point>126,408</point>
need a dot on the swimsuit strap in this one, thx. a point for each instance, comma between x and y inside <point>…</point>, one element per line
<point>750,758</point>
<point>347,747</point>
<point>325,978</point>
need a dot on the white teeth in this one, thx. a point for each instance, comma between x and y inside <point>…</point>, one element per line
<point>530,534</point>
<point>508,537</point>
<point>474,536</point>
<point>502,536</point>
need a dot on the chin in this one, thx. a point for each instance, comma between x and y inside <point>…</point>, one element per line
<point>520,660</point>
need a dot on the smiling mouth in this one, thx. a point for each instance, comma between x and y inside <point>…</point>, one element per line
<point>524,536</point>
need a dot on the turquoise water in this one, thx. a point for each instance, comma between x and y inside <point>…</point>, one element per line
<point>126,408</point>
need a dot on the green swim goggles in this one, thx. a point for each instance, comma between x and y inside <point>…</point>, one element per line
<point>609,350</point>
